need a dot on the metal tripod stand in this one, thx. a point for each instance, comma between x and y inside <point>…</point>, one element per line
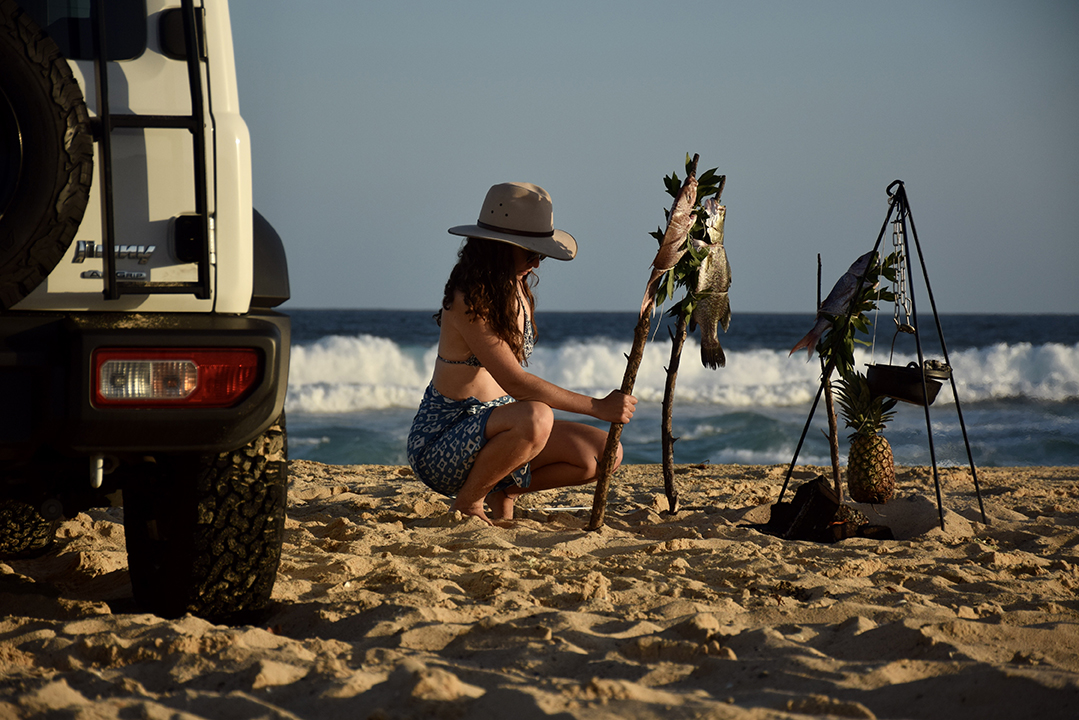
<point>899,207</point>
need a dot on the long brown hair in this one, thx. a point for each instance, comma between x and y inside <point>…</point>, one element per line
<point>485,275</point>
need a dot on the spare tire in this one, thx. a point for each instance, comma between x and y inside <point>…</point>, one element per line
<point>46,155</point>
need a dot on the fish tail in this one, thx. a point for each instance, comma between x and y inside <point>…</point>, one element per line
<point>712,355</point>
<point>809,342</point>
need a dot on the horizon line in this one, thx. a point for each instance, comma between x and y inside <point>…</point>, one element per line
<point>633,312</point>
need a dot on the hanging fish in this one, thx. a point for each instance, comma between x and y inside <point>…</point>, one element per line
<point>673,247</point>
<point>713,307</point>
<point>836,304</point>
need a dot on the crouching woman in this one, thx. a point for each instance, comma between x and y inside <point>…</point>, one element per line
<point>485,429</point>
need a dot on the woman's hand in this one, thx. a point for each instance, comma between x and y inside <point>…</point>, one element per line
<point>617,407</point>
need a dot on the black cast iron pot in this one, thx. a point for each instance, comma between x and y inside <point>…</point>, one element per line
<point>905,382</point>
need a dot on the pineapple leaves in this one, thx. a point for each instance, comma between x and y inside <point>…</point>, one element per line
<point>863,412</point>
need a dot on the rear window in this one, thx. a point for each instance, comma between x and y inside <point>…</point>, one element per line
<point>68,23</point>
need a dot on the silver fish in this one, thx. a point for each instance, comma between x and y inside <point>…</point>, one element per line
<point>836,304</point>
<point>713,307</point>
<point>672,247</point>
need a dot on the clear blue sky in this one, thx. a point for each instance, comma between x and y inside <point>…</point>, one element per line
<point>377,125</point>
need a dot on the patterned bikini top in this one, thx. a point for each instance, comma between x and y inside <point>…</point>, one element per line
<point>473,361</point>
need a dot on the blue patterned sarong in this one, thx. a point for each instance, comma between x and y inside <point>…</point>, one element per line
<point>445,438</point>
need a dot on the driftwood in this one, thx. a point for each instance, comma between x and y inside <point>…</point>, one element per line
<point>678,339</point>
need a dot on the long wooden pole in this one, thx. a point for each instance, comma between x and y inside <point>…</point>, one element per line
<point>678,339</point>
<point>829,404</point>
<point>614,435</point>
<point>833,434</point>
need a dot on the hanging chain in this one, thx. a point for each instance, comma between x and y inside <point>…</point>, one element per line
<point>899,286</point>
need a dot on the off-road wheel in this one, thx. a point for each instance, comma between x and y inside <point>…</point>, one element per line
<point>23,531</point>
<point>46,155</point>
<point>204,532</point>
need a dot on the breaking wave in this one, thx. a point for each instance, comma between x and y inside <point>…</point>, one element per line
<point>341,374</point>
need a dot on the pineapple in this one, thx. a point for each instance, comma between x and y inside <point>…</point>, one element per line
<point>870,466</point>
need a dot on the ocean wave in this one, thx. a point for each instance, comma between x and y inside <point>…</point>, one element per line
<point>350,374</point>
<point>1047,372</point>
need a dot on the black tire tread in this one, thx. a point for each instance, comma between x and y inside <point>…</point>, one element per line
<point>204,536</point>
<point>23,531</point>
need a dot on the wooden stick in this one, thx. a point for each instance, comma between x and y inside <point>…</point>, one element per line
<point>833,434</point>
<point>829,404</point>
<point>603,478</point>
<point>678,339</point>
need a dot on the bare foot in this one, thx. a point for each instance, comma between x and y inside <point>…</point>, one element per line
<point>474,510</point>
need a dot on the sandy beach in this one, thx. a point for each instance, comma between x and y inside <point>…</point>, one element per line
<point>388,606</point>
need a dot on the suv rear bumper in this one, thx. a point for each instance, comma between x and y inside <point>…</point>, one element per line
<point>46,383</point>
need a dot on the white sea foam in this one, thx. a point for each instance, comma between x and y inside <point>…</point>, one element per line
<point>350,374</point>
<point>1047,372</point>
<point>368,359</point>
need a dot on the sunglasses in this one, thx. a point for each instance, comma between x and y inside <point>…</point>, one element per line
<point>535,257</point>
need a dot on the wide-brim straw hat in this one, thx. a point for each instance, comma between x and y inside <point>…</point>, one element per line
<point>521,214</point>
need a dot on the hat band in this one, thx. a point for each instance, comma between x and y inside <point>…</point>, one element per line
<point>522,233</point>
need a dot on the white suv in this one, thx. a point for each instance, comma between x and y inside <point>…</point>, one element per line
<point>139,348</point>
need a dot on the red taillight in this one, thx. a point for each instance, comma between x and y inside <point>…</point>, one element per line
<point>174,377</point>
